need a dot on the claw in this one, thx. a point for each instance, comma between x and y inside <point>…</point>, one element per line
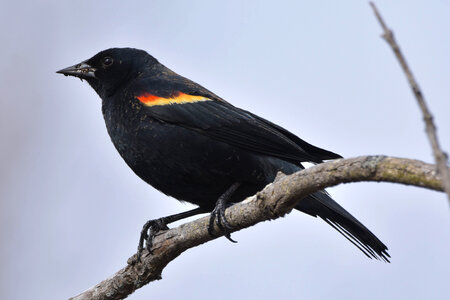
<point>222,222</point>
<point>149,231</point>
<point>219,213</point>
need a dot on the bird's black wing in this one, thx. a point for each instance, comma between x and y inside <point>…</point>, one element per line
<point>316,151</point>
<point>229,124</point>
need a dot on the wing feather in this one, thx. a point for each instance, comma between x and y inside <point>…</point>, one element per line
<point>229,124</point>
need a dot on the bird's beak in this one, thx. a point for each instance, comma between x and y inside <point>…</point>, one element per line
<point>82,70</point>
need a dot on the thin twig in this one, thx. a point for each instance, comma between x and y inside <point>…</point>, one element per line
<point>440,157</point>
<point>276,200</point>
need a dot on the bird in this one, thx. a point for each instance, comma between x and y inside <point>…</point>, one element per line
<point>194,146</point>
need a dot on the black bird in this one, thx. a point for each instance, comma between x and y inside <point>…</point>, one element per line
<point>192,145</point>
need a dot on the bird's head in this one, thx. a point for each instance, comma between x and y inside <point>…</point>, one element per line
<point>111,69</point>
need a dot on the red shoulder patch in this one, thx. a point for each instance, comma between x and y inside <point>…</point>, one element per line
<point>177,98</point>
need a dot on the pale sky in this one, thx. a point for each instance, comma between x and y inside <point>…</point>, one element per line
<point>71,210</point>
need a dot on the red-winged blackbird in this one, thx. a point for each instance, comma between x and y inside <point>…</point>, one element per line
<point>194,146</point>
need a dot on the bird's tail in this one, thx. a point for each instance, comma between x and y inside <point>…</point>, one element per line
<point>320,204</point>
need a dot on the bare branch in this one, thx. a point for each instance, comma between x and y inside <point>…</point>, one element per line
<point>276,200</point>
<point>439,156</point>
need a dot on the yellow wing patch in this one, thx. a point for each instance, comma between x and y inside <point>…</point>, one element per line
<point>177,98</point>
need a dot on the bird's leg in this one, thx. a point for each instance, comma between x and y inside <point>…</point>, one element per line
<point>219,213</point>
<point>152,227</point>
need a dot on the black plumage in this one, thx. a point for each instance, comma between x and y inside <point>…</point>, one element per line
<point>194,146</point>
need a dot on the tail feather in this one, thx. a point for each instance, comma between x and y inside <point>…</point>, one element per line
<point>321,205</point>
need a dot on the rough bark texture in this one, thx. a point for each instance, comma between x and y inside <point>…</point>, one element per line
<point>440,156</point>
<point>276,200</point>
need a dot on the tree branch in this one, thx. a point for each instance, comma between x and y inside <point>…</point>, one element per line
<point>440,157</point>
<point>276,200</point>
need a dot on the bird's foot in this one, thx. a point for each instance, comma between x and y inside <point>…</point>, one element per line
<point>149,231</point>
<point>218,214</point>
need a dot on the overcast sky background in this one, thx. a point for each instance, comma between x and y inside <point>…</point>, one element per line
<point>71,211</point>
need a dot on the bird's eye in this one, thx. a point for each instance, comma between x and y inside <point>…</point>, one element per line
<point>107,61</point>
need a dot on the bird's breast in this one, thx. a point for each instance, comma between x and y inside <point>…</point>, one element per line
<point>184,163</point>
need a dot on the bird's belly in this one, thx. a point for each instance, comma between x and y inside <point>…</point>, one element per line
<point>191,166</point>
